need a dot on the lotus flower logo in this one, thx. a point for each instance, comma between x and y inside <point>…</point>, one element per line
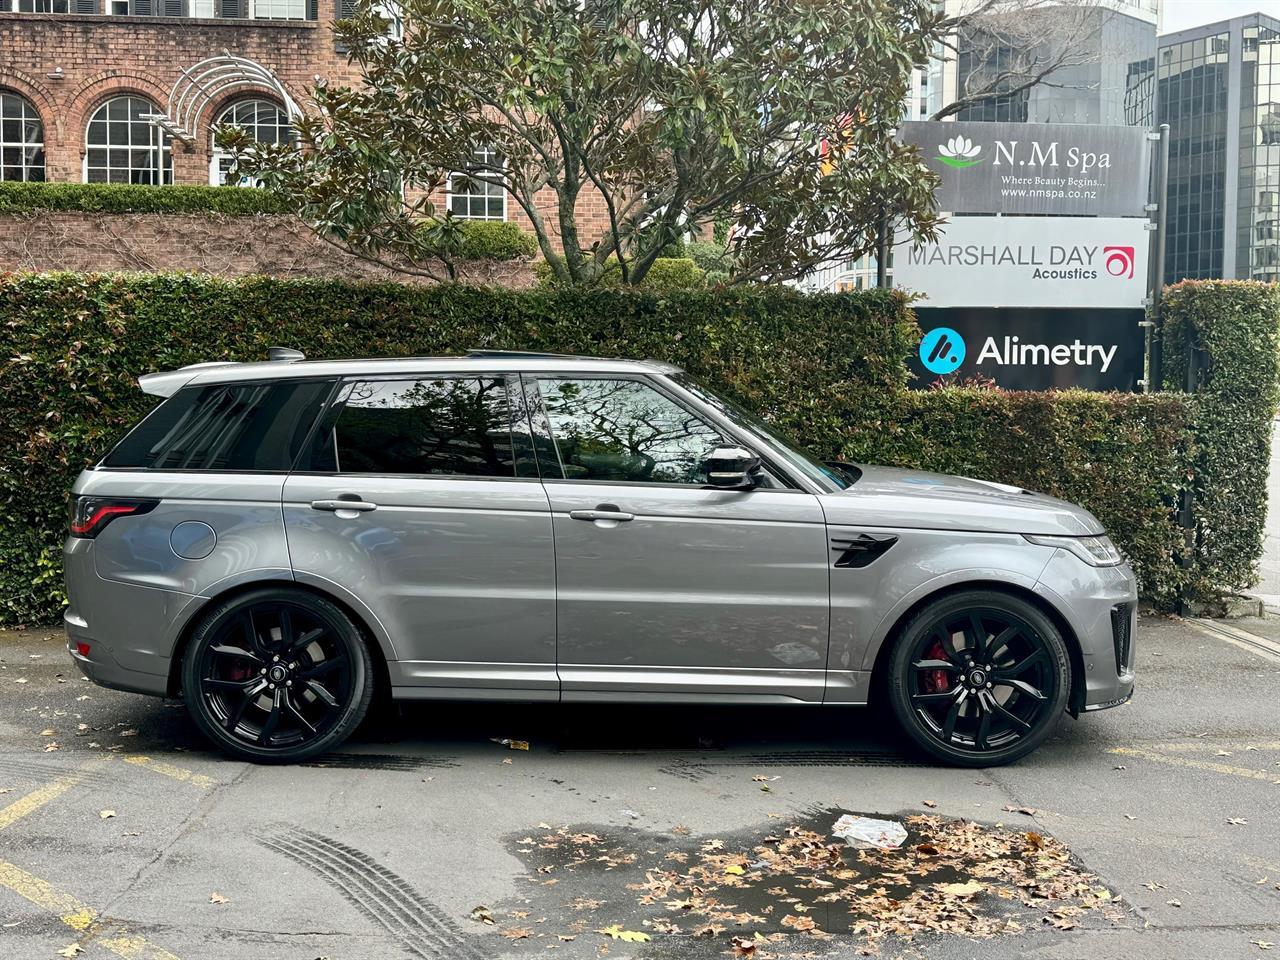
<point>959,152</point>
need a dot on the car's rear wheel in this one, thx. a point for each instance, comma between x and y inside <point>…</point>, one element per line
<point>277,675</point>
<point>979,678</point>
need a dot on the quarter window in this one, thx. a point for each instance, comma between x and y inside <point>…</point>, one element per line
<point>625,431</point>
<point>447,426</point>
<point>21,139</point>
<point>247,426</point>
<point>124,147</point>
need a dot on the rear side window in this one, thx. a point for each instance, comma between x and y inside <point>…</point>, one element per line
<point>451,426</point>
<point>233,426</point>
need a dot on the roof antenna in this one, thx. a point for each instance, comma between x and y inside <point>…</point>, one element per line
<point>284,355</point>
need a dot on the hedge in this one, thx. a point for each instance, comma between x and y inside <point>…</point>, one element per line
<point>23,197</point>
<point>828,368</point>
<point>666,273</point>
<point>1234,326</point>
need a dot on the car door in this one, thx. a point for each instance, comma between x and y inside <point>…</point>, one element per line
<point>418,503</point>
<point>665,586</point>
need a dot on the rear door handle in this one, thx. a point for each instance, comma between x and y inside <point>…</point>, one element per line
<point>358,506</point>
<point>614,514</point>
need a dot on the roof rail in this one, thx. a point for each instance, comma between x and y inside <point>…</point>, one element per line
<point>481,354</point>
<point>284,355</point>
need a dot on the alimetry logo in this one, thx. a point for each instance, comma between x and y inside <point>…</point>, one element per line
<point>959,152</point>
<point>942,350</point>
<point>1119,261</point>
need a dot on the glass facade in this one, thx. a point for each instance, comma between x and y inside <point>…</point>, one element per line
<point>1257,210</point>
<point>1193,80</point>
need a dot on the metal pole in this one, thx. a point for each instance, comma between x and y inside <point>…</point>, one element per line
<point>882,250</point>
<point>1156,374</point>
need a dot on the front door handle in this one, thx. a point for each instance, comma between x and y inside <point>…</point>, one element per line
<point>334,506</point>
<point>606,511</point>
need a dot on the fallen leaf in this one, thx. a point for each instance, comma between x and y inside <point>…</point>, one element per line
<point>764,778</point>
<point>1025,811</point>
<point>1174,903</point>
<point>21,680</point>
<point>798,923</point>
<point>1035,841</point>
<point>51,746</point>
<point>481,915</point>
<point>129,733</point>
<point>1237,821</point>
<point>47,732</point>
<point>1262,944</point>
<point>71,950</point>
<point>216,897</point>
<point>566,938</point>
<point>508,760</point>
<point>516,933</point>
<point>106,814</point>
<point>930,803</point>
<point>680,830</point>
<point>616,932</point>
<point>966,889</point>
<point>734,870</point>
<point>928,849</point>
<point>511,744</point>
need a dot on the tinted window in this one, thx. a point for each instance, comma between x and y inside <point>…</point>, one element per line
<point>625,430</point>
<point>238,426</point>
<point>458,426</point>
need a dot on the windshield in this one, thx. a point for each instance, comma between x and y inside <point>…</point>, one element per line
<point>829,476</point>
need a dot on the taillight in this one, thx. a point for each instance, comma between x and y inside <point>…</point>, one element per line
<point>89,515</point>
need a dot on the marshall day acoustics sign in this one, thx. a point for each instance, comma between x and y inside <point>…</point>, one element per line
<point>1075,169</point>
<point>1098,262</point>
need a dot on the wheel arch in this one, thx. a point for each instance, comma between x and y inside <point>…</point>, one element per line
<point>373,639</point>
<point>1075,698</point>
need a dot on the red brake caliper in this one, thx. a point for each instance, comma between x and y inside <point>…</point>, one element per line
<point>936,681</point>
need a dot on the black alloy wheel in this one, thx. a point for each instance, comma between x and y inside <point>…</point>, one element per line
<point>277,675</point>
<point>979,678</point>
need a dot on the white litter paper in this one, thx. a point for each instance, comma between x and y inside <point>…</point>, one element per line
<point>865,833</point>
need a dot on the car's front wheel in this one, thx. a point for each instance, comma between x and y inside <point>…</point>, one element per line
<point>979,678</point>
<point>277,675</point>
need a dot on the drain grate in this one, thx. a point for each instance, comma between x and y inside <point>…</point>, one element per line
<point>379,761</point>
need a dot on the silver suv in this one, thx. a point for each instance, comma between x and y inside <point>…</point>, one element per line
<point>278,540</point>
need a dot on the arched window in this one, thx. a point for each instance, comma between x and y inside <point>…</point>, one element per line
<point>21,139</point>
<point>263,120</point>
<point>122,147</point>
<point>474,199</point>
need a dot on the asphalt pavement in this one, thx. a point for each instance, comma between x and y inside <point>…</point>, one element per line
<point>1152,830</point>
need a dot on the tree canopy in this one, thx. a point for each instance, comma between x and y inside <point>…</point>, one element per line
<point>776,116</point>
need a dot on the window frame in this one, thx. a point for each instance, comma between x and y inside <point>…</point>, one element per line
<point>540,423</point>
<point>450,193</point>
<point>164,145</point>
<point>29,110</point>
<point>517,415</point>
<point>216,156</point>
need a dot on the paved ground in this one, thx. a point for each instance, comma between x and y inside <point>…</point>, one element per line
<point>387,849</point>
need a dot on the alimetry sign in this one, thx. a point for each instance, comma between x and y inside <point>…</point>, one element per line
<point>1048,168</point>
<point>1029,262</point>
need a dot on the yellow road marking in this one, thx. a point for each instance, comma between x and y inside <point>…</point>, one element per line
<point>1197,764</point>
<point>1235,746</point>
<point>170,770</point>
<point>36,799</point>
<point>78,916</point>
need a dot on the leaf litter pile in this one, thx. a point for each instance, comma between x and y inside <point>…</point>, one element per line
<point>785,890</point>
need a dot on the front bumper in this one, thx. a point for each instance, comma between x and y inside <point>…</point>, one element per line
<point>1100,605</point>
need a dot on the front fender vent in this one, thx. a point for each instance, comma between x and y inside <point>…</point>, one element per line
<point>862,550</point>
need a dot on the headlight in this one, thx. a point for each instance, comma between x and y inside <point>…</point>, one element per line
<point>1095,551</point>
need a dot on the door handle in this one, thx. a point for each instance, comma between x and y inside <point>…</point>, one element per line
<point>356,506</point>
<point>601,514</point>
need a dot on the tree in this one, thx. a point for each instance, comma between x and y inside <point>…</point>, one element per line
<point>671,112</point>
<point>1005,48</point>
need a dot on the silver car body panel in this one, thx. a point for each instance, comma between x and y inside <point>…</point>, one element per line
<point>487,588</point>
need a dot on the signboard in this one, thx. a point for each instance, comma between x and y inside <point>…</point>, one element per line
<point>1029,262</point>
<point>1032,349</point>
<point>1077,169</point>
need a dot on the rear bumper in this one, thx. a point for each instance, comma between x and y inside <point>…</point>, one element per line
<point>127,628</point>
<point>1100,605</point>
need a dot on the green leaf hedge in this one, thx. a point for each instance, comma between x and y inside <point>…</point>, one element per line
<point>828,368</point>
<point>22,197</point>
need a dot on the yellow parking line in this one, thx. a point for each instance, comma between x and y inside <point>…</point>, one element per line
<point>36,799</point>
<point>1236,746</point>
<point>172,771</point>
<point>79,916</point>
<point>1197,764</point>
<point>76,915</point>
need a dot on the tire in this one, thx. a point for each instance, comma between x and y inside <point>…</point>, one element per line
<point>277,675</point>
<point>974,710</point>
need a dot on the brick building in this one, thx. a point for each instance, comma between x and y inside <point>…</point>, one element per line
<point>82,83</point>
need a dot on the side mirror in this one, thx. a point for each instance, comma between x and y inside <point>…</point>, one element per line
<point>732,467</point>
